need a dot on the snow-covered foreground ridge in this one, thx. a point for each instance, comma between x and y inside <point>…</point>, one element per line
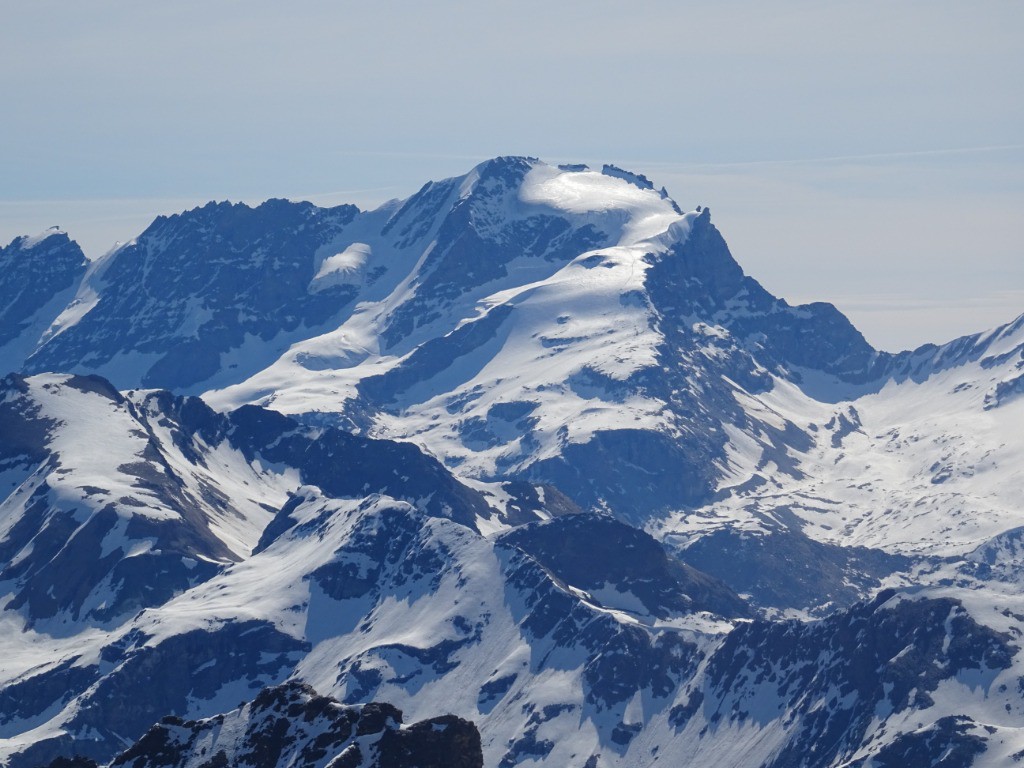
<point>528,448</point>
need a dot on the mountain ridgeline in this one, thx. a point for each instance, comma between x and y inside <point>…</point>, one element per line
<point>390,308</point>
<point>525,460</point>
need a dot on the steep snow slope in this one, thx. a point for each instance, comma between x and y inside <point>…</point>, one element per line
<point>650,376</point>
<point>451,248</point>
<point>554,324</point>
<point>101,486</point>
<point>142,495</point>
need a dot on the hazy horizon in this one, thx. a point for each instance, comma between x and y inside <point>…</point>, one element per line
<point>867,155</point>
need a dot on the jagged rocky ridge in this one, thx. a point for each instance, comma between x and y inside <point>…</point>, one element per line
<point>564,341</point>
<point>291,724</point>
<point>38,278</point>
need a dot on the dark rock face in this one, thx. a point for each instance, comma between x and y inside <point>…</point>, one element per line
<point>440,742</point>
<point>37,279</point>
<point>1005,391</point>
<point>230,271</point>
<point>592,552</point>
<point>700,278</point>
<point>629,471</point>
<point>156,679</point>
<point>73,762</point>
<point>344,465</point>
<point>618,660</point>
<point>951,742</point>
<point>291,724</point>
<point>177,303</point>
<point>525,499</point>
<point>786,569</point>
<point>386,550</point>
<point>24,429</point>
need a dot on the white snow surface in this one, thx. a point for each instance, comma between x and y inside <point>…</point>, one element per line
<point>31,241</point>
<point>101,446</point>
<point>342,268</point>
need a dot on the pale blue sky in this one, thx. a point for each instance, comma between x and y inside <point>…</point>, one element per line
<point>866,153</point>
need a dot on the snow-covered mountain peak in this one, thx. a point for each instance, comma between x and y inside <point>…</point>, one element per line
<point>616,203</point>
<point>499,192</point>
<point>26,242</point>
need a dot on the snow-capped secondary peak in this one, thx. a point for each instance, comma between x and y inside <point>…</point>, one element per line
<point>39,276</point>
<point>25,242</point>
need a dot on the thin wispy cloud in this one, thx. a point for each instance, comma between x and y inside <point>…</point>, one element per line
<point>837,158</point>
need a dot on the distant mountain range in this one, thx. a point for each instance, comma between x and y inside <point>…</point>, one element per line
<point>529,450</point>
